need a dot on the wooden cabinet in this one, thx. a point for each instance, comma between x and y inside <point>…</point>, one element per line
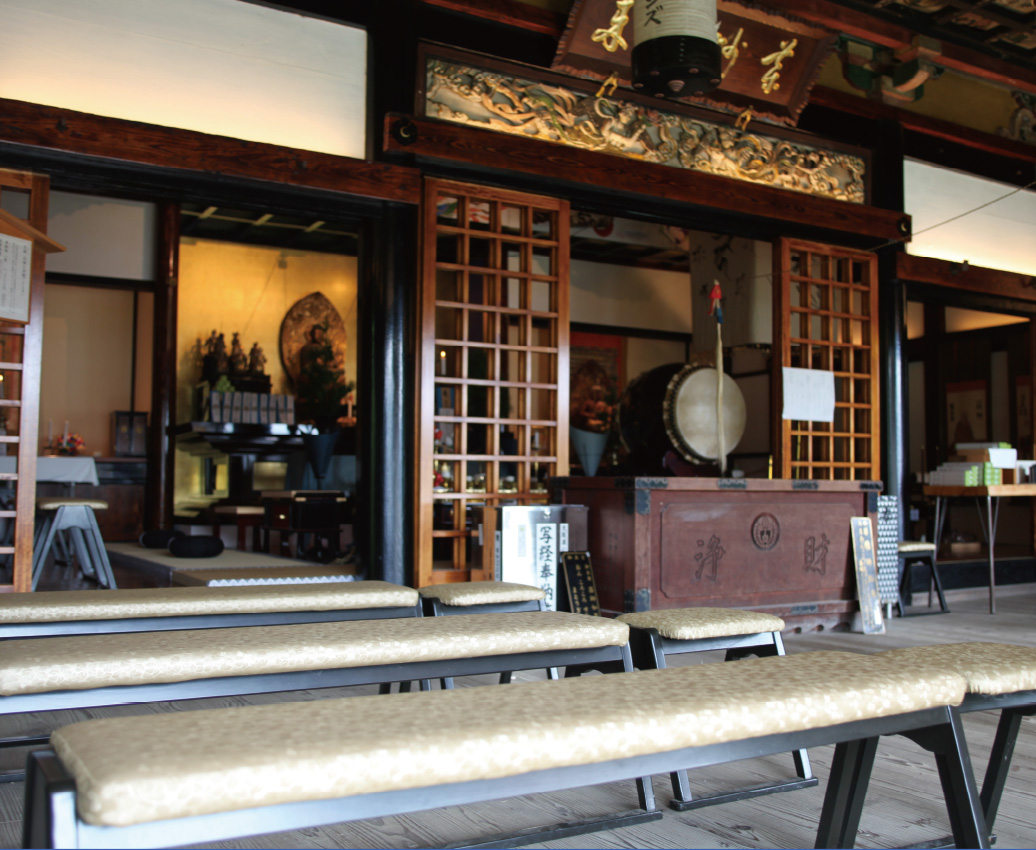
<point>777,546</point>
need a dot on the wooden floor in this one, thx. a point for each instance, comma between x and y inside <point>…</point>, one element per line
<point>904,805</point>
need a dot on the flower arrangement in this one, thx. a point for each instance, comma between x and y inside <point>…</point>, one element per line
<point>69,444</point>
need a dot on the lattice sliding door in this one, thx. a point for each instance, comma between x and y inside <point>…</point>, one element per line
<point>493,363</point>
<point>21,350</point>
<point>828,321</point>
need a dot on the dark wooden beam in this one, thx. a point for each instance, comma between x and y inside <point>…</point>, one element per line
<point>987,282</point>
<point>79,133</point>
<point>555,166</point>
<point>863,25</point>
<point>824,97</point>
<point>509,13</point>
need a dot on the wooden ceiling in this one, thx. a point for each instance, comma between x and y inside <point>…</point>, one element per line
<point>1005,29</point>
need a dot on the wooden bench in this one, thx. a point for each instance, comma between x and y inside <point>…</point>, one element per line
<point>657,635</point>
<point>205,776</point>
<point>481,597</point>
<point>999,677</point>
<point>117,669</point>
<point>69,612</point>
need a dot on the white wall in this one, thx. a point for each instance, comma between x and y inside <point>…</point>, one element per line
<point>104,237</point>
<point>217,66</point>
<point>87,361</point>
<point>999,236</point>
<point>628,296</point>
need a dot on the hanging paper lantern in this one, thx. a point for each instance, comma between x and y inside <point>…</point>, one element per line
<point>675,51</point>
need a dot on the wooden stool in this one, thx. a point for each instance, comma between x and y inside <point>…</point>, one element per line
<point>75,515</point>
<point>245,517</point>
<point>917,552</point>
<point>654,635</point>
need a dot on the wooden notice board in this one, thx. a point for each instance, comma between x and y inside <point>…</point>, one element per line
<point>579,581</point>
<point>864,554</point>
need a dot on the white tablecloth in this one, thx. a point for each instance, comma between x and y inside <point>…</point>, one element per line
<point>64,470</point>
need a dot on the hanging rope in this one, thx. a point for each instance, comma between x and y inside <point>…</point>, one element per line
<point>716,309</point>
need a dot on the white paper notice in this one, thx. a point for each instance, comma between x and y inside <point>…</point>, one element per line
<point>809,395</point>
<point>15,278</point>
<point>547,562</point>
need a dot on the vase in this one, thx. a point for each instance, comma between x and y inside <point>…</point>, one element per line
<point>319,448</point>
<point>588,447</point>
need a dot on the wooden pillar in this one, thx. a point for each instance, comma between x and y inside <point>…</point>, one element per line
<point>895,424</point>
<point>385,448</point>
<point>387,298</point>
<point>160,449</point>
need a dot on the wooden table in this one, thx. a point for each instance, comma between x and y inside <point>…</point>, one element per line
<point>991,494</point>
<point>68,470</point>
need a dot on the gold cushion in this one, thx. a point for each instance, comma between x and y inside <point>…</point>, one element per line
<point>52,503</point>
<point>137,769</point>
<point>97,661</point>
<point>698,623</point>
<point>912,546</point>
<point>989,668</point>
<point>240,510</point>
<point>64,605</point>
<point>482,593</point>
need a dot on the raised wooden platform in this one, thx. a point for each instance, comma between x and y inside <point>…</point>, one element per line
<point>229,567</point>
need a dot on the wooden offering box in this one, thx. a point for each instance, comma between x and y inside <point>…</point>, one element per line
<point>782,547</point>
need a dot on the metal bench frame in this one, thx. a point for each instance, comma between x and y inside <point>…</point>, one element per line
<point>650,650</point>
<point>50,818</point>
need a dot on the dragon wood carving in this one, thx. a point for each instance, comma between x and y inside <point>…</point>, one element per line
<point>466,95</point>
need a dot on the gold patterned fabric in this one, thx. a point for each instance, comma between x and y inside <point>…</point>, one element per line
<point>698,623</point>
<point>907,546</point>
<point>138,769</point>
<point>96,661</point>
<point>482,593</point>
<point>52,503</point>
<point>66,605</point>
<point>989,668</point>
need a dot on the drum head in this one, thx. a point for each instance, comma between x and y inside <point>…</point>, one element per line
<point>691,416</point>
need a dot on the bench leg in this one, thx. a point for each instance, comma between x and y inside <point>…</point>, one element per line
<point>49,819</point>
<point>1000,760</point>
<point>651,649</point>
<point>963,803</point>
<point>846,789</point>
<point>82,552</point>
<point>42,546</point>
<point>99,556</point>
